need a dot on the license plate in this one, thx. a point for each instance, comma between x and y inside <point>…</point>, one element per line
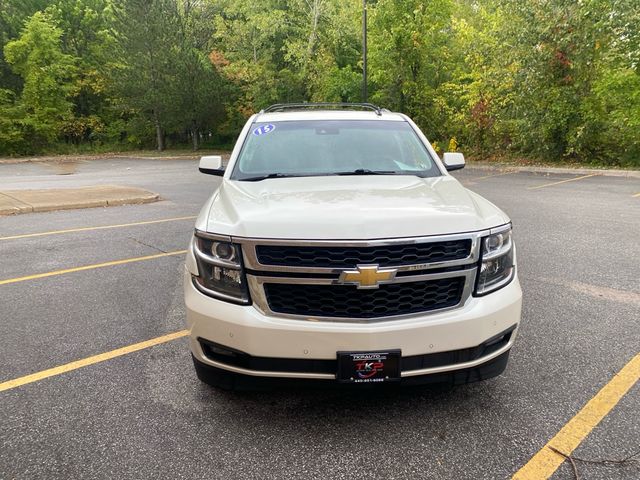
<point>369,367</point>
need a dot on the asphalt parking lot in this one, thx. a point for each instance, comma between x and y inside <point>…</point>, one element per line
<point>142,413</point>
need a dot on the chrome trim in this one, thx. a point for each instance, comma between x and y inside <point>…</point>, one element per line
<point>361,243</point>
<point>251,260</point>
<point>336,281</point>
<point>501,228</point>
<point>262,373</point>
<point>256,289</point>
<point>212,236</point>
<point>329,376</point>
<point>460,366</point>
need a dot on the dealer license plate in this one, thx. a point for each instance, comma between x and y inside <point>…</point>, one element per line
<point>369,367</point>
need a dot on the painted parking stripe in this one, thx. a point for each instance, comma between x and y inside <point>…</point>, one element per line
<point>495,175</point>
<point>546,461</point>
<point>564,181</point>
<point>90,267</point>
<point>636,195</point>
<point>85,362</point>
<point>472,181</point>
<point>100,227</point>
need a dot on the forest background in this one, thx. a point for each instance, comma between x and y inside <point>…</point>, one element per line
<point>554,81</point>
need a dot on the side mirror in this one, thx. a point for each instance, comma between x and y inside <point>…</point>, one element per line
<point>211,165</point>
<point>453,161</point>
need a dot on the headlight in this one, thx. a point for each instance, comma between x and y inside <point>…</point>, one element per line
<point>220,269</point>
<point>496,265</point>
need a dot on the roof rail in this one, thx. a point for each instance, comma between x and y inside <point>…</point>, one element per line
<point>280,107</point>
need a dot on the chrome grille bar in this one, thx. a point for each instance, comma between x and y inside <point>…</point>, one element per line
<point>256,286</point>
<point>251,261</point>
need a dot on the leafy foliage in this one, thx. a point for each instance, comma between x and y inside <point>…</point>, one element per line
<point>37,57</point>
<point>557,80</point>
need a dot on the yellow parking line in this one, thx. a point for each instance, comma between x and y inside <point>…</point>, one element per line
<point>51,372</point>
<point>546,461</point>
<point>90,267</point>
<point>101,227</point>
<point>636,195</point>
<point>564,181</point>
<point>494,175</point>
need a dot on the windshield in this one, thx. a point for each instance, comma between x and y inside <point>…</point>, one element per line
<point>332,147</point>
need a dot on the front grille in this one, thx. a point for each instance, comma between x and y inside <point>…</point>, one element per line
<point>348,301</point>
<point>349,257</point>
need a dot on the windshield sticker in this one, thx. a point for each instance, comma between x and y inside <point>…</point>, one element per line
<point>264,129</point>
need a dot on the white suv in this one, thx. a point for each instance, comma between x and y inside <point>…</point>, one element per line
<point>338,249</point>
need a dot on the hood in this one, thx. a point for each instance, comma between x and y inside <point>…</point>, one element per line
<point>347,208</point>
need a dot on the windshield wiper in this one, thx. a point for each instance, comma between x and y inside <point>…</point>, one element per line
<point>264,177</point>
<point>358,171</point>
<point>365,171</point>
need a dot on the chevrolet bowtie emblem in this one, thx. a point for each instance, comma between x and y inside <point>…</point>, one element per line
<point>367,276</point>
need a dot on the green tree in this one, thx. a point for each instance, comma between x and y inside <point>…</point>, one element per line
<point>332,58</point>
<point>12,18</point>
<point>37,57</point>
<point>201,87</point>
<point>411,58</point>
<point>548,79</point>
<point>87,36</point>
<point>144,66</point>
<point>250,42</point>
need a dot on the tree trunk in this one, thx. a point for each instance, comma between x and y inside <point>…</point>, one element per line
<point>194,135</point>
<point>159,136</point>
<point>315,9</point>
<point>314,12</point>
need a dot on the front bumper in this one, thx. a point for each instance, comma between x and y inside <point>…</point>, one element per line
<point>245,330</point>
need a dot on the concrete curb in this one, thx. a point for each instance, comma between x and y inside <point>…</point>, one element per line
<point>13,202</point>
<point>501,167</point>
